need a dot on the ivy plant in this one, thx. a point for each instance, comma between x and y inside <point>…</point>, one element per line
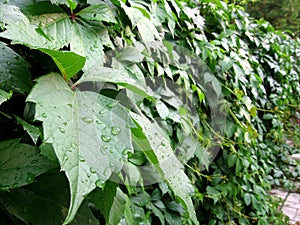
<point>143,112</point>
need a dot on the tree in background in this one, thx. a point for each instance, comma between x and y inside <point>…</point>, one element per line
<point>282,14</point>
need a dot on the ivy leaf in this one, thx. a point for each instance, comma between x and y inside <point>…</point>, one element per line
<point>68,63</point>
<point>89,133</point>
<point>20,164</point>
<point>164,160</point>
<point>88,42</point>
<point>247,198</point>
<point>4,96</point>
<point>147,30</point>
<point>10,14</point>
<point>24,33</point>
<point>45,202</point>
<point>117,76</point>
<point>71,3</point>
<point>98,12</point>
<point>33,131</point>
<point>112,202</point>
<point>14,73</point>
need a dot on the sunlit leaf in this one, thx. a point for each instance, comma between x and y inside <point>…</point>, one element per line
<point>89,133</point>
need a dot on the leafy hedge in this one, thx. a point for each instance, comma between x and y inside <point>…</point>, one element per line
<point>109,113</point>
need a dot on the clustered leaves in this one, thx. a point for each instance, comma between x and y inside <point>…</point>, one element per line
<point>115,111</point>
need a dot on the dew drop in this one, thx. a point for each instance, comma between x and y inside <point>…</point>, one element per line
<point>44,115</point>
<point>34,161</point>
<point>115,130</point>
<point>98,121</point>
<point>30,178</point>
<point>100,183</point>
<point>112,104</point>
<point>111,151</point>
<point>163,143</point>
<point>87,119</point>
<point>101,112</point>
<point>125,151</point>
<point>81,159</point>
<point>106,172</point>
<point>62,130</point>
<point>8,63</point>
<point>105,138</point>
<point>90,221</point>
<point>65,159</point>
<point>92,170</point>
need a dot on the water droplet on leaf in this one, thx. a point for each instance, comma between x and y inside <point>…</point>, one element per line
<point>115,130</point>
<point>44,115</point>
<point>98,121</point>
<point>105,138</point>
<point>34,161</point>
<point>62,130</point>
<point>30,178</point>
<point>112,104</point>
<point>92,170</point>
<point>87,119</point>
<point>100,183</point>
<point>81,159</point>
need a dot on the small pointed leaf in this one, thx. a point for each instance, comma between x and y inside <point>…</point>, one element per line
<point>99,12</point>
<point>68,63</point>
<point>4,96</point>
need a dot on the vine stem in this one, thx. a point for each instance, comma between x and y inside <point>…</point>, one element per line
<point>7,116</point>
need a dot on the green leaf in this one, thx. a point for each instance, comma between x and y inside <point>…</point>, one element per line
<point>247,198</point>
<point>111,201</point>
<point>4,96</point>
<point>89,42</point>
<point>14,73</point>
<point>98,12</point>
<point>24,33</point>
<point>68,63</point>
<point>268,116</point>
<point>71,3</point>
<point>20,164</point>
<point>104,199</point>
<point>164,160</point>
<point>57,27</point>
<point>89,133</point>
<point>231,160</point>
<point>117,76</point>
<point>33,131</point>
<point>45,202</point>
<point>146,28</point>
<point>10,14</point>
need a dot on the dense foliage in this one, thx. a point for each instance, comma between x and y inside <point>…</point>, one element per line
<point>109,113</point>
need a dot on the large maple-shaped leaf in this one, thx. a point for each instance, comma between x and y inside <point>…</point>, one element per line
<point>89,133</point>
<point>150,138</point>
